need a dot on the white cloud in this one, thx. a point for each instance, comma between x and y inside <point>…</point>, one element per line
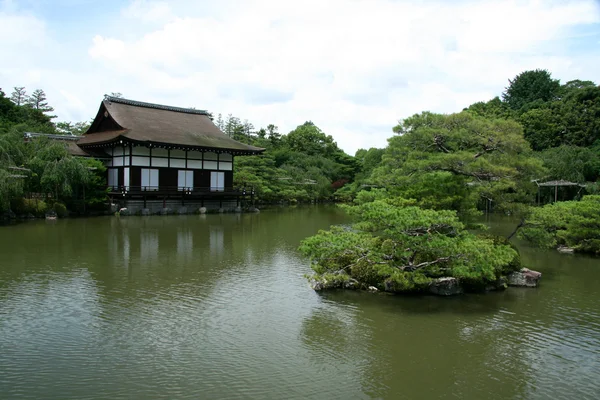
<point>148,11</point>
<point>354,67</point>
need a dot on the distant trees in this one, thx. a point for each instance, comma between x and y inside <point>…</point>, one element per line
<point>530,87</point>
<point>569,223</point>
<point>457,161</point>
<point>38,101</point>
<point>571,163</point>
<point>574,119</point>
<point>41,165</point>
<point>69,128</point>
<point>561,122</point>
<point>19,96</point>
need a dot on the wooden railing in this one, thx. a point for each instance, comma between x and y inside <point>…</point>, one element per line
<point>179,191</point>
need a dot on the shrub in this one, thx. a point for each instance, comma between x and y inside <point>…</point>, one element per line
<point>60,209</point>
<point>21,206</point>
<point>569,223</point>
<point>398,247</point>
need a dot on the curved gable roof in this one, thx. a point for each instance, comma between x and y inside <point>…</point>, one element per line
<point>158,124</point>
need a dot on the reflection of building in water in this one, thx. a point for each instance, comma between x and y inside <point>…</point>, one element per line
<point>148,246</point>
<point>185,243</point>
<point>119,247</point>
<point>126,248</point>
<point>216,242</point>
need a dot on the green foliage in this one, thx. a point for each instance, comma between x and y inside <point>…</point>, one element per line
<point>35,207</point>
<point>574,119</point>
<point>529,87</point>
<point>60,209</point>
<point>76,129</point>
<point>304,165</point>
<point>456,161</point>
<point>41,165</point>
<point>571,163</point>
<point>402,248</point>
<point>574,224</point>
<point>38,101</point>
<point>493,109</point>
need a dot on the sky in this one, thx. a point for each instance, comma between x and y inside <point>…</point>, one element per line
<point>353,67</point>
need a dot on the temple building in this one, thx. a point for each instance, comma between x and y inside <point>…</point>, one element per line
<point>160,156</point>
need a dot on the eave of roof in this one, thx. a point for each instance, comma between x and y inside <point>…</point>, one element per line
<point>120,140</point>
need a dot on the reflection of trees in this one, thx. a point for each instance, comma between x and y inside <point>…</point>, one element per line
<point>420,347</point>
<point>140,255</point>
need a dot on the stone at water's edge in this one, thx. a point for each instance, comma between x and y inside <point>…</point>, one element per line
<point>202,210</point>
<point>498,284</point>
<point>525,278</point>
<point>324,284</point>
<point>316,285</point>
<point>446,287</point>
<point>565,250</point>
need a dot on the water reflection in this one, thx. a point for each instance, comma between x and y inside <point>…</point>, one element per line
<point>217,307</point>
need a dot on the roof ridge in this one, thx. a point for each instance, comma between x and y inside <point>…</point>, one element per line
<point>136,103</point>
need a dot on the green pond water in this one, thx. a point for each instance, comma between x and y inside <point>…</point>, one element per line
<point>217,307</point>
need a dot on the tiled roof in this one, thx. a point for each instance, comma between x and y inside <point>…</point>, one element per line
<point>148,123</point>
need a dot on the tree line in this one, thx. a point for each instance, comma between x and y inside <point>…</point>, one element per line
<point>414,220</point>
<point>40,175</point>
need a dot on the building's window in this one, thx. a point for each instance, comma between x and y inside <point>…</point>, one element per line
<point>141,161</point>
<point>194,164</point>
<point>177,163</point>
<point>217,181</point>
<point>113,178</point>
<point>118,161</point>
<point>211,164</point>
<point>159,162</point>
<point>225,166</point>
<point>185,180</point>
<point>149,179</point>
<point>126,178</point>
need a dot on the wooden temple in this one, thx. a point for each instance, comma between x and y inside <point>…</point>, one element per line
<point>157,153</point>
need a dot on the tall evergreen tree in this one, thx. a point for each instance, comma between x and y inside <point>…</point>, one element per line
<point>531,87</point>
<point>19,95</point>
<point>37,100</point>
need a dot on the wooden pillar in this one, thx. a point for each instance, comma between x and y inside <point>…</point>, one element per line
<point>555,193</point>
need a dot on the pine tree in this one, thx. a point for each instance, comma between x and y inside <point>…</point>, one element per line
<point>219,122</point>
<point>37,100</point>
<point>19,96</point>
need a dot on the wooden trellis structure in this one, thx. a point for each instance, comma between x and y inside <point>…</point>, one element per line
<point>556,184</point>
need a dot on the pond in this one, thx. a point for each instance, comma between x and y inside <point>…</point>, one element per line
<point>217,306</point>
